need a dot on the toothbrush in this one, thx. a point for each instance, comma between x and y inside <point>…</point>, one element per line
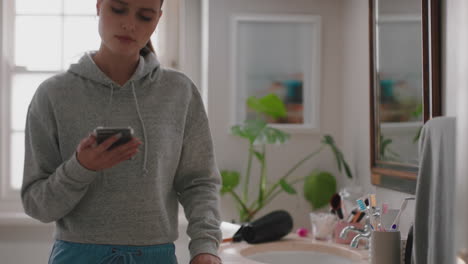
<point>361,205</point>
<point>396,222</point>
<point>384,208</point>
<point>371,209</point>
<point>384,211</point>
<point>375,220</point>
<point>373,200</point>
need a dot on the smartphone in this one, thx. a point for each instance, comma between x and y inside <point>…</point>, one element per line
<point>103,133</point>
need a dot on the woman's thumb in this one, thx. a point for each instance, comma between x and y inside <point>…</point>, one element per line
<point>86,142</point>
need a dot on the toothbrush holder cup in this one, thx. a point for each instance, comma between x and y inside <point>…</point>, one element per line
<point>323,225</point>
<point>385,247</point>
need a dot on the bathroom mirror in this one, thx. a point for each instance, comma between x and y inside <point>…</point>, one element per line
<point>404,86</point>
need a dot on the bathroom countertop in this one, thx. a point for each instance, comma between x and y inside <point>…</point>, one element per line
<point>233,253</point>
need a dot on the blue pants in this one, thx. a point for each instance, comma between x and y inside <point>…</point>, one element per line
<point>64,252</point>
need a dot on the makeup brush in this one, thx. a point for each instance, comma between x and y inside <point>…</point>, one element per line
<point>352,215</point>
<point>336,205</point>
<point>359,218</point>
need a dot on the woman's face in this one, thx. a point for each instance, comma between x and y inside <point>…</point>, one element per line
<point>125,26</point>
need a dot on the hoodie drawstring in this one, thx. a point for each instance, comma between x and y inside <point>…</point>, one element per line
<point>126,257</point>
<point>109,107</point>
<point>106,120</point>
<point>145,145</point>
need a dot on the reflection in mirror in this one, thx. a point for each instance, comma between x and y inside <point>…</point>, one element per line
<point>399,80</point>
<point>405,86</point>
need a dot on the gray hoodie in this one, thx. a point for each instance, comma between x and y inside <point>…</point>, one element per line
<point>136,201</point>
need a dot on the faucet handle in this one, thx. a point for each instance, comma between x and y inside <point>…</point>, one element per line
<point>346,229</point>
<point>364,235</point>
<point>368,227</point>
<point>355,242</point>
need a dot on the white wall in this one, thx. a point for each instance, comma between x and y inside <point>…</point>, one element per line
<point>450,55</point>
<point>231,152</point>
<point>190,39</point>
<point>459,14</point>
<point>355,88</point>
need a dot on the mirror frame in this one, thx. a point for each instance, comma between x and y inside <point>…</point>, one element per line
<point>403,177</point>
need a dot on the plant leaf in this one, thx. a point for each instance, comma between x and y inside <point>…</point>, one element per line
<point>418,135</point>
<point>339,157</point>
<point>328,140</point>
<point>287,187</point>
<point>251,129</point>
<point>418,111</point>
<point>270,105</point>
<point>319,187</point>
<point>270,135</point>
<point>347,169</point>
<point>237,130</point>
<point>258,133</point>
<point>385,143</point>
<point>259,156</point>
<point>230,180</point>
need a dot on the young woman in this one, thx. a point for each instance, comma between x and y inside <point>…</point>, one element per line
<point>118,204</point>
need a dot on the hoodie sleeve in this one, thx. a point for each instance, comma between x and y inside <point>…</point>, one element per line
<point>198,181</point>
<point>51,187</point>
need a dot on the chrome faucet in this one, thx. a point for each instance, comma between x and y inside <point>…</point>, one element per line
<point>364,233</point>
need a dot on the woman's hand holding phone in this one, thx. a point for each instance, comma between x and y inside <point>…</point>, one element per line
<point>99,157</point>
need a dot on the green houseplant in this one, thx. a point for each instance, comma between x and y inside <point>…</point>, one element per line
<point>386,153</point>
<point>259,134</point>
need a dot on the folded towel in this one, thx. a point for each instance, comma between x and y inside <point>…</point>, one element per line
<point>433,227</point>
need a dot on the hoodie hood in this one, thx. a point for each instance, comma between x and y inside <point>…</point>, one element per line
<point>147,70</point>
<point>148,66</point>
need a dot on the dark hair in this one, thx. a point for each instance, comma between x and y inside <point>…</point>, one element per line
<point>149,46</point>
<point>147,49</point>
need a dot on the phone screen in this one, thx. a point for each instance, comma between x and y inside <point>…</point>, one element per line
<point>103,133</point>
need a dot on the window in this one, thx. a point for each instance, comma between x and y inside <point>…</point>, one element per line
<point>40,38</point>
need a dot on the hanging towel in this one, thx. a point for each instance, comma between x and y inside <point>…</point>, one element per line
<point>433,227</point>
